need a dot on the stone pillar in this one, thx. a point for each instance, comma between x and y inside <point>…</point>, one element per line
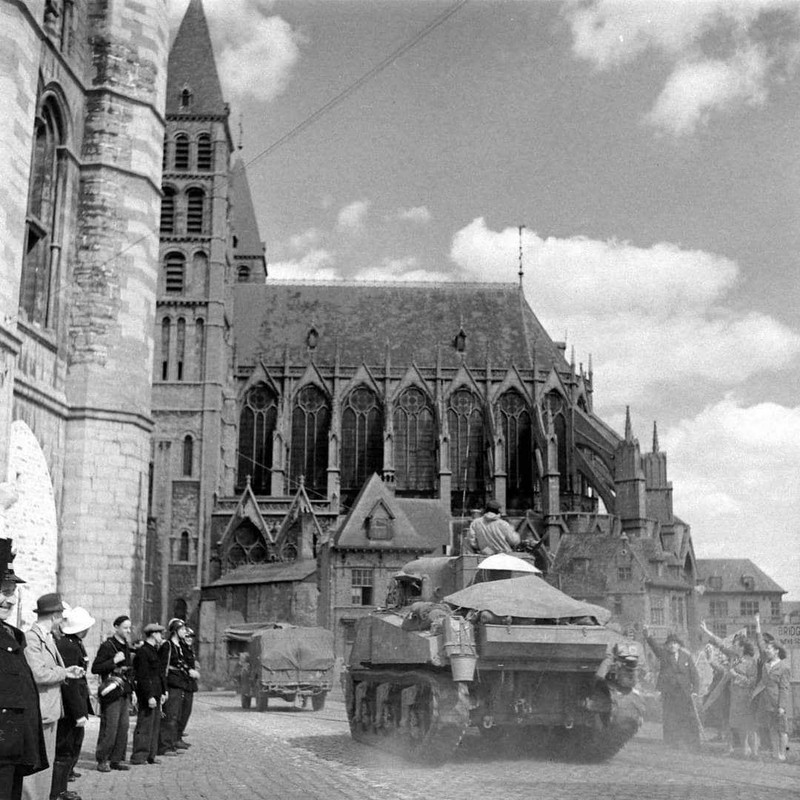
<point>111,315</point>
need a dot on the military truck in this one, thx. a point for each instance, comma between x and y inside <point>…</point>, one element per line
<point>508,654</point>
<point>288,662</point>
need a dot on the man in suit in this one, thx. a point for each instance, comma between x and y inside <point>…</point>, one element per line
<point>678,682</point>
<point>22,745</point>
<point>151,692</point>
<point>49,673</point>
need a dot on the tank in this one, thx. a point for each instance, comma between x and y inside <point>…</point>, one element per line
<point>460,647</point>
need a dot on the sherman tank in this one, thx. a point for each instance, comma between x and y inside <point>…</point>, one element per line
<point>464,644</point>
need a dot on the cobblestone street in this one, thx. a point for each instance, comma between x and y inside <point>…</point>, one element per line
<point>293,754</point>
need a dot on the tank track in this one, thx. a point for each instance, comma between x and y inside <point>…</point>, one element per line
<point>419,715</point>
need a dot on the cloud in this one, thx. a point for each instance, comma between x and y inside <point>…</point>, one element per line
<point>651,317</point>
<point>256,51</point>
<point>352,216</point>
<point>415,214</point>
<point>315,265</point>
<point>302,241</point>
<point>402,269</point>
<point>723,53</point>
<point>742,464</point>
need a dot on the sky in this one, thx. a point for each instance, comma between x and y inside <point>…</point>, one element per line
<point>650,151</point>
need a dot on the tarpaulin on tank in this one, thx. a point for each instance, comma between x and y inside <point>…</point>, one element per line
<point>296,648</point>
<point>529,597</point>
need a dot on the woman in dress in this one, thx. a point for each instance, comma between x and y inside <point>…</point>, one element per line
<point>771,695</point>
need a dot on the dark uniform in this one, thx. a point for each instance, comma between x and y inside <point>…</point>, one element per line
<point>179,687</point>
<point>22,745</point>
<point>150,684</point>
<point>75,695</point>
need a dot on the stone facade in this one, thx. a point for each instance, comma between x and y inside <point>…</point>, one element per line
<point>84,89</point>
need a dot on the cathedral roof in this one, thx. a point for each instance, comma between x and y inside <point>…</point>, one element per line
<point>732,572</point>
<point>245,226</point>
<point>415,322</point>
<point>192,66</point>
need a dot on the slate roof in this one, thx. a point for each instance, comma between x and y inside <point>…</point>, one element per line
<point>352,533</point>
<point>245,225</point>
<point>278,572</point>
<point>731,570</point>
<point>414,320</point>
<point>192,64</point>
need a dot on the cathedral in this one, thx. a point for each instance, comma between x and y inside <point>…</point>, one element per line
<point>181,435</point>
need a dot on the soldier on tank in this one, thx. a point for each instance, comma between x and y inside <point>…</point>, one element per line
<point>490,533</point>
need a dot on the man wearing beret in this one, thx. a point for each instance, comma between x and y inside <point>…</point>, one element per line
<point>22,745</point>
<point>114,658</point>
<point>151,692</point>
<point>49,673</point>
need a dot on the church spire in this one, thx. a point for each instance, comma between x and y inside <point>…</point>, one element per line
<point>193,85</point>
<point>628,426</point>
<point>655,436</point>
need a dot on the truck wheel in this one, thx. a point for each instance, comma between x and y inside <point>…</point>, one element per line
<point>263,702</point>
<point>246,700</point>
<point>318,701</point>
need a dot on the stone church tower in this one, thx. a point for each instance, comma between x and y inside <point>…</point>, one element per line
<point>83,87</point>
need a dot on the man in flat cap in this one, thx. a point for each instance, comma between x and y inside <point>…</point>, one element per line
<point>151,692</point>
<point>49,673</point>
<point>22,745</point>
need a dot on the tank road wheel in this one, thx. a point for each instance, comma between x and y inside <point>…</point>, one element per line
<point>318,701</point>
<point>420,715</point>
<point>246,700</point>
<point>262,704</point>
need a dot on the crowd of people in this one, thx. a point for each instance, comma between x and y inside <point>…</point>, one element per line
<point>45,699</point>
<point>750,692</point>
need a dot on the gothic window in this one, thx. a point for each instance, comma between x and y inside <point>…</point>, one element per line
<point>183,546</point>
<point>168,210</point>
<point>243,274</point>
<point>200,271</point>
<point>414,444</point>
<point>200,349</point>
<point>188,455</point>
<point>205,155</point>
<point>181,152</point>
<point>555,403</point>
<point>246,546</point>
<point>166,328</point>
<point>466,427</point>
<point>174,273</point>
<point>180,348</point>
<point>362,440</point>
<point>514,422</point>
<point>311,417</point>
<point>195,211</point>
<point>256,427</point>
<point>41,245</point>
<point>179,609</point>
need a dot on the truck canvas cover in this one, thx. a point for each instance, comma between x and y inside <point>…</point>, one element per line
<point>528,597</point>
<point>301,649</point>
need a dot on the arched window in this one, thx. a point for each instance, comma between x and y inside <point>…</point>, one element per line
<point>555,403</point>
<point>181,152</point>
<point>205,155</point>
<point>200,349</point>
<point>186,97</point>
<point>514,423</point>
<point>243,274</point>
<point>199,281</point>
<point>256,427</point>
<point>179,609</point>
<point>247,546</point>
<point>414,444</point>
<point>311,419</point>
<point>362,440</point>
<point>195,210</point>
<point>184,546</point>
<point>174,273</point>
<point>168,210</point>
<point>180,348</point>
<point>188,455</point>
<point>466,427</point>
<point>44,200</point>
<point>166,328</point>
